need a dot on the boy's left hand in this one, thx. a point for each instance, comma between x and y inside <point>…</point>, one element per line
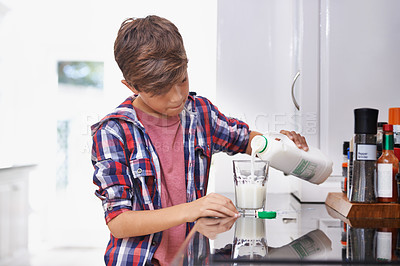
<point>298,139</point>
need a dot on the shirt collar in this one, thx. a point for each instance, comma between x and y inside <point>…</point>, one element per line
<point>125,111</point>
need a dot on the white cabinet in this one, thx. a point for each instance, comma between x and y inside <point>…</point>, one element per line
<point>347,54</point>
<point>5,105</point>
<point>14,212</point>
<point>345,51</point>
<point>307,91</point>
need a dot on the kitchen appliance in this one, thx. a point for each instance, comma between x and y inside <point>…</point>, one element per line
<point>329,56</point>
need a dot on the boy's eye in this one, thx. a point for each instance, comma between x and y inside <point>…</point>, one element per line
<point>183,81</point>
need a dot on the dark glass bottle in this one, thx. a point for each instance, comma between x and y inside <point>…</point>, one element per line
<point>350,167</point>
<point>343,182</point>
<point>379,137</point>
<point>394,119</point>
<point>387,168</point>
<point>362,185</point>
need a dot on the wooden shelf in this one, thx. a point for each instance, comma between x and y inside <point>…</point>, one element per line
<point>339,202</point>
<point>364,222</point>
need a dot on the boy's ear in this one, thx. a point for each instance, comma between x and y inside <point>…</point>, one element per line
<point>133,89</point>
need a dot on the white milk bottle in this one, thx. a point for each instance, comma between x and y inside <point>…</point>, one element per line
<point>284,155</point>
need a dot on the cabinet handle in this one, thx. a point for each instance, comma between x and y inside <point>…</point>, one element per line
<point>293,98</point>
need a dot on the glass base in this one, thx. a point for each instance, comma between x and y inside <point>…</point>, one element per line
<point>249,212</point>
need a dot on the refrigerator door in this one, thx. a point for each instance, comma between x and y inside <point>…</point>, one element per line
<point>346,53</point>
<point>359,65</point>
<point>255,73</point>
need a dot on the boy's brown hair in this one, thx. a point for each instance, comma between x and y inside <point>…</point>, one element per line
<point>150,53</point>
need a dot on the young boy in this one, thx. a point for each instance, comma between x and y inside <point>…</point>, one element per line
<point>152,154</point>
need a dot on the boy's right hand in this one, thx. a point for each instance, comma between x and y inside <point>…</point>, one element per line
<point>211,205</point>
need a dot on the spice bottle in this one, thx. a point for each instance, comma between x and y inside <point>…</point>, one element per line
<point>387,168</point>
<point>350,163</point>
<point>379,136</point>
<point>343,182</point>
<point>361,244</point>
<point>363,181</point>
<point>394,119</point>
<point>398,194</point>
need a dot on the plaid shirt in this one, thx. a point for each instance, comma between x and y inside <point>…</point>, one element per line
<point>127,168</point>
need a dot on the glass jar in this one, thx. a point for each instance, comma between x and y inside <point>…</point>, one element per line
<point>363,188</point>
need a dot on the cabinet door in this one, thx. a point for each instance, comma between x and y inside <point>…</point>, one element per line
<point>13,215</point>
<point>5,221</point>
<point>360,54</point>
<point>306,89</point>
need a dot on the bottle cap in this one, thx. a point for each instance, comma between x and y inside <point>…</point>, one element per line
<point>380,124</point>
<point>394,115</point>
<point>259,143</point>
<point>346,145</point>
<point>266,215</point>
<point>365,121</point>
<point>388,127</point>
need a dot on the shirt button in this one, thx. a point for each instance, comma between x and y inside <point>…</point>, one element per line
<point>139,170</point>
<point>153,243</point>
<point>109,208</point>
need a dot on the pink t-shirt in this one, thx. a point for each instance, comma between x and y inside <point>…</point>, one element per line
<point>167,137</point>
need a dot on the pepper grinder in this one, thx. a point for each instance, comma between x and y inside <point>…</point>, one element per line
<point>363,188</point>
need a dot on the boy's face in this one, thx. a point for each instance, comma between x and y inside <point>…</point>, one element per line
<point>168,104</point>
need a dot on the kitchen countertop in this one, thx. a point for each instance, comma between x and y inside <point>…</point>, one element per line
<point>301,233</point>
<point>6,167</point>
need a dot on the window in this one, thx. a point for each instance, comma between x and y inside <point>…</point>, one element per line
<point>83,74</point>
<point>62,154</point>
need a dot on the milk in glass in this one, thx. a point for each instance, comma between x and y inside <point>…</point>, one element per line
<point>250,184</point>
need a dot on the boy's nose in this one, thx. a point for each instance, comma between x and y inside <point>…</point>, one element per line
<point>176,94</point>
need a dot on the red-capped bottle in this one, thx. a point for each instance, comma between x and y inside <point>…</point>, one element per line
<point>387,168</point>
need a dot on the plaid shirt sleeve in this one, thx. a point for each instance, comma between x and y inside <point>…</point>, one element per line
<point>229,135</point>
<point>111,173</point>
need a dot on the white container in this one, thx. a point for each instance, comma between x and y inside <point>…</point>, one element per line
<point>282,154</point>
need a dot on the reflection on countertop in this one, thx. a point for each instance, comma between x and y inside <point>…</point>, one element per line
<point>301,233</point>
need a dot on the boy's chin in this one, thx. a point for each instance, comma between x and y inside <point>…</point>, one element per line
<point>174,112</point>
<point>171,114</point>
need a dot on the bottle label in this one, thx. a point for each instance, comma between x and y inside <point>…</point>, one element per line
<point>385,172</point>
<point>305,169</point>
<point>366,152</point>
<point>305,247</point>
<point>384,246</point>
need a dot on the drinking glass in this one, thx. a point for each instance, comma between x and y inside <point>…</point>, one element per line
<point>250,239</point>
<point>250,185</point>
